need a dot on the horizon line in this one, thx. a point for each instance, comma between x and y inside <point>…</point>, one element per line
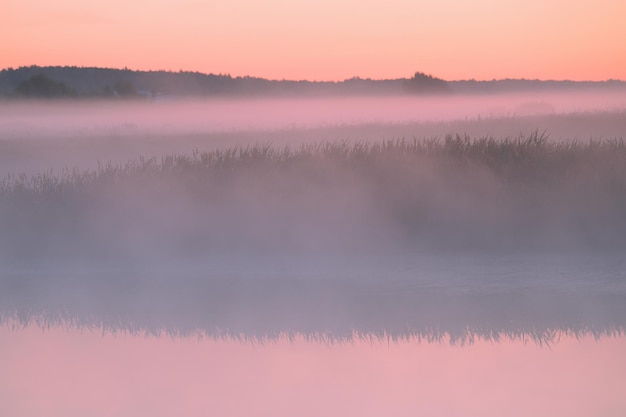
<point>356,77</point>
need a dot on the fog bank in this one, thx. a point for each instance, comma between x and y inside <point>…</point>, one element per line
<point>41,136</point>
<point>73,118</point>
<point>318,228</point>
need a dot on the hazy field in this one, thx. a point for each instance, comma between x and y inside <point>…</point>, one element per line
<point>39,136</point>
<point>456,193</point>
<point>299,216</point>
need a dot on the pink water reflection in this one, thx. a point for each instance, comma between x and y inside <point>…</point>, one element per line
<point>69,372</point>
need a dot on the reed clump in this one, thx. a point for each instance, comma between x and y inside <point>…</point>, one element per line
<point>455,192</point>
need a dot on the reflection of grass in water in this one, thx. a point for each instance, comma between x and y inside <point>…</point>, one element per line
<point>266,332</point>
<point>452,193</point>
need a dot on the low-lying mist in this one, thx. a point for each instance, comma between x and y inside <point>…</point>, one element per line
<point>395,225</point>
<point>89,118</point>
<point>456,238</point>
<point>338,198</point>
<point>38,136</point>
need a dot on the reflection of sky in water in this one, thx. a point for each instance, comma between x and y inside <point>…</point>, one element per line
<point>68,372</point>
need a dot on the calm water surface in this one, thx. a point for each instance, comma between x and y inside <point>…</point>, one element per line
<point>509,336</point>
<point>64,371</point>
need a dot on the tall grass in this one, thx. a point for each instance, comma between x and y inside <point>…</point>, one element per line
<point>451,193</point>
<point>516,159</point>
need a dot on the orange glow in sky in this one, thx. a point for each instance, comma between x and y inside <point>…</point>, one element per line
<point>323,39</point>
<point>66,372</point>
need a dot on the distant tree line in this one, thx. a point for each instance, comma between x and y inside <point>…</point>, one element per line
<point>40,86</point>
<point>53,82</point>
<point>426,83</point>
<point>103,82</point>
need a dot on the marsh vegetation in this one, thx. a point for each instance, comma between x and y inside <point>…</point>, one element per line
<point>387,229</point>
<point>456,193</point>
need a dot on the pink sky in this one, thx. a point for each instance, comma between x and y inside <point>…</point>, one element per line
<point>71,373</point>
<point>323,39</point>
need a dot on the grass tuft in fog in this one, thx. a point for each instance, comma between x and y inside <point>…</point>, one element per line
<point>455,193</point>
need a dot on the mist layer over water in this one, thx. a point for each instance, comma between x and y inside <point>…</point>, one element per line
<point>183,117</point>
<point>410,238</point>
<point>42,136</point>
<point>324,227</point>
<point>436,298</point>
